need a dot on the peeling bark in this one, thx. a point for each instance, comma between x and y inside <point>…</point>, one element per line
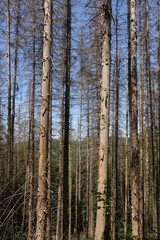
<point>42,210</point>
<point>104,116</point>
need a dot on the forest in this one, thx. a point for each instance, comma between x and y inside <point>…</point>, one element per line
<point>79,120</point>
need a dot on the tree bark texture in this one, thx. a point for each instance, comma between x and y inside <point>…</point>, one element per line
<point>117,175</point>
<point>134,164</point>
<point>9,90</point>
<point>153,145</point>
<point>60,186</point>
<point>49,163</point>
<point>88,167</point>
<point>141,195</point>
<point>104,116</point>
<point>42,177</point>
<point>14,83</point>
<point>31,160</point>
<point>80,148</point>
<point>66,124</point>
<point>70,185</point>
<point>113,183</point>
<point>158,80</point>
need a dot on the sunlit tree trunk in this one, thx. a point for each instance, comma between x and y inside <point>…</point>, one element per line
<point>104,116</point>
<point>141,195</point>
<point>42,210</point>
<point>98,68</point>
<point>134,164</point>
<point>128,117</point>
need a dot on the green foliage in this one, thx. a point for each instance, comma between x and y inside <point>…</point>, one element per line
<point>12,231</point>
<point>82,238</point>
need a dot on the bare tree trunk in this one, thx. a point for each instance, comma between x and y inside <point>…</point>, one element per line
<point>127,116</point>
<point>88,167</point>
<point>141,195</point>
<point>134,166</point>
<point>76,197</point>
<point>80,150</point>
<point>113,181</point>
<point>126,168</point>
<point>91,188</point>
<point>31,162</point>
<point>154,153</point>
<point>155,164</point>
<point>24,201</point>
<point>158,77</point>
<point>14,85</point>
<point>9,90</point>
<point>147,165</point>
<point>49,163</point>
<point>66,127</point>
<point>42,210</point>
<point>104,116</point>
<point>70,184</point>
<point>97,70</point>
<point>60,186</point>
<point>116,130</point>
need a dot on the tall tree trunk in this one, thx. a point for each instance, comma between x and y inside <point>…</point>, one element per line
<point>88,167</point>
<point>91,187</point>
<point>130,118</point>
<point>158,77</point>
<point>70,184</point>
<point>126,167</point>
<point>76,197</point>
<point>24,201</point>
<point>147,165</point>
<point>113,181</point>
<point>14,84</point>
<point>31,162</point>
<point>134,166</point>
<point>9,90</point>
<point>66,127</point>
<point>80,149</point>
<point>49,163</point>
<point>60,186</point>
<point>104,116</point>
<point>153,147</point>
<point>98,69</point>
<point>141,195</point>
<point>42,180</point>
<point>116,129</point>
